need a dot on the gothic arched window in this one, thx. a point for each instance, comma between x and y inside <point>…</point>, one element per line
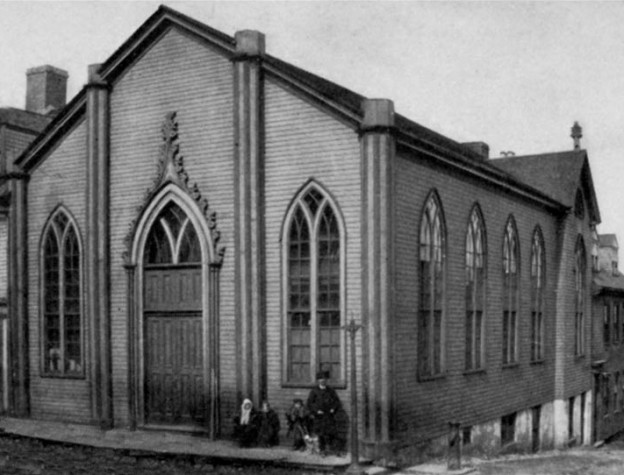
<point>430,316</point>
<point>579,301</point>
<point>511,278</point>
<point>537,295</point>
<point>172,239</point>
<point>314,288</point>
<point>62,302</point>
<point>475,290</point>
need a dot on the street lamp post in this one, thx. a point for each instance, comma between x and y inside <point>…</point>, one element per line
<point>355,468</point>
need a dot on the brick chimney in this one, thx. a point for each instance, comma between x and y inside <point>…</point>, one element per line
<point>480,148</point>
<point>46,89</point>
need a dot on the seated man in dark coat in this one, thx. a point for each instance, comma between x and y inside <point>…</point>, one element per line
<point>246,425</point>
<point>323,404</point>
<point>268,426</point>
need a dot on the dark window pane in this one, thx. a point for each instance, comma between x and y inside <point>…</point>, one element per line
<point>190,250</point>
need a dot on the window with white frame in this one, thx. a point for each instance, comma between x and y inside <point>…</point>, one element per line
<point>62,353</point>
<point>475,291</point>
<point>314,245</point>
<point>430,317</point>
<point>511,278</point>
<point>537,296</point>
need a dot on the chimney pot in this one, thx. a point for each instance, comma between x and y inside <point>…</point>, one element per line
<point>577,133</point>
<point>46,89</point>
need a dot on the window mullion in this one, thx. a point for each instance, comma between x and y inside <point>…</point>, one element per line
<point>177,241</point>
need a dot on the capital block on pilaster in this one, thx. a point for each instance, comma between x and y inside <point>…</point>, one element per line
<point>250,43</point>
<point>378,113</point>
<point>93,75</point>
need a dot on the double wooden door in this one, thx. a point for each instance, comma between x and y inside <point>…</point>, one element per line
<point>173,346</point>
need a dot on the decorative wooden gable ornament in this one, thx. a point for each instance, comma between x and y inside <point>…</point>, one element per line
<point>171,170</point>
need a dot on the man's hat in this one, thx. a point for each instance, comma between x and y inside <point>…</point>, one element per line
<point>322,375</point>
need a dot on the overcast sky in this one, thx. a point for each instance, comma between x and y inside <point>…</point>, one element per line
<point>513,74</point>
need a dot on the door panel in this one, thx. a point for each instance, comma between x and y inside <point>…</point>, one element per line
<point>174,369</point>
<point>173,289</point>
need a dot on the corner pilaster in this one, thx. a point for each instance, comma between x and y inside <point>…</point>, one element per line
<point>19,393</point>
<point>249,214</point>
<point>378,149</point>
<point>97,245</point>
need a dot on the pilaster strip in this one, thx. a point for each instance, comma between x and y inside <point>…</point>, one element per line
<point>130,308</point>
<point>378,149</point>
<point>103,218</point>
<point>18,300</point>
<point>91,252</point>
<point>249,215</point>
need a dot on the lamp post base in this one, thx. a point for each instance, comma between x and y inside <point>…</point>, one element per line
<point>355,469</point>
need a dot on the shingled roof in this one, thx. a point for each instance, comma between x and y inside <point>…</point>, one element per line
<point>341,101</point>
<point>606,281</point>
<point>608,240</point>
<point>23,119</point>
<point>558,175</point>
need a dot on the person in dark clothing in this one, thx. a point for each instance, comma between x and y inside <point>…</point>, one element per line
<point>268,426</point>
<point>246,425</point>
<point>298,419</point>
<point>323,404</point>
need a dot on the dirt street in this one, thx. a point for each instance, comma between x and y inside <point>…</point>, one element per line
<point>24,456</point>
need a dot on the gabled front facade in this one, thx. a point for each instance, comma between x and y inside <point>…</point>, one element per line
<point>218,216</point>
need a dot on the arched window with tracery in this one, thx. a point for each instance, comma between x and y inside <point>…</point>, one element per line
<point>62,348</point>
<point>430,316</point>
<point>475,291</point>
<point>580,283</point>
<point>172,239</point>
<point>511,278</point>
<point>579,205</point>
<point>537,295</point>
<point>314,288</point>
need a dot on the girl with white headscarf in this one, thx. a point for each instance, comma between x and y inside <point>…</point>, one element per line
<point>246,425</point>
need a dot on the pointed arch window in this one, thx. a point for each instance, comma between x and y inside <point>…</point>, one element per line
<point>580,284</point>
<point>172,239</point>
<point>475,291</point>
<point>430,317</point>
<point>537,295</point>
<point>314,289</point>
<point>511,277</point>
<point>62,326</point>
<point>579,205</point>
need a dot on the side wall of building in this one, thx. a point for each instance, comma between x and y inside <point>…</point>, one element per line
<point>470,398</point>
<point>608,358</point>
<point>59,180</point>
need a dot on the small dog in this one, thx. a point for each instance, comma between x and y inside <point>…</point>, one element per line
<point>312,444</point>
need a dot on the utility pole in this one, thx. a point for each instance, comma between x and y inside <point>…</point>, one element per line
<point>355,468</point>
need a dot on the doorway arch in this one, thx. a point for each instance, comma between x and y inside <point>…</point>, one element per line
<point>175,315</point>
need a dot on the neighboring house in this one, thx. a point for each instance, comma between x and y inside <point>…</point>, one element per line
<point>608,340</point>
<point>202,220</point>
<point>45,96</point>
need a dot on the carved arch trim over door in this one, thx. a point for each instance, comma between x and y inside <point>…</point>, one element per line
<point>171,189</point>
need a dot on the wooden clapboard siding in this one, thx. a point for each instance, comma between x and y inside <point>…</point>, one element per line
<point>60,179</point>
<point>426,407</point>
<point>303,142</point>
<point>183,75</point>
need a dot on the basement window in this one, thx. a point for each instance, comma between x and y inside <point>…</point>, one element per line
<point>508,428</point>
